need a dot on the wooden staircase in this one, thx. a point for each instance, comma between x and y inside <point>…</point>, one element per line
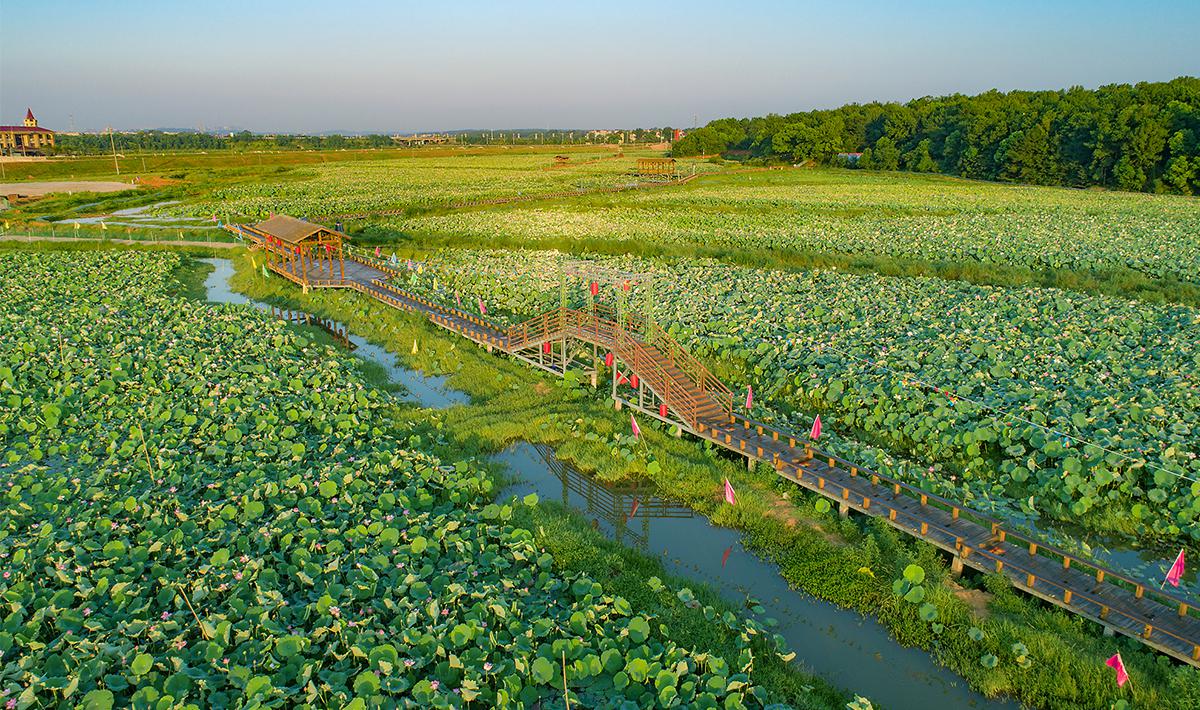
<point>673,376</point>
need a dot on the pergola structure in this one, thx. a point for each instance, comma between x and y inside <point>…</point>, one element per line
<point>623,287</point>
<point>307,253</point>
<point>657,167</point>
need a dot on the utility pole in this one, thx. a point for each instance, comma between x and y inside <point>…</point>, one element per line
<point>113,142</point>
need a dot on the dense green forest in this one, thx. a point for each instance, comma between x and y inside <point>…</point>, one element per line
<point>1140,137</point>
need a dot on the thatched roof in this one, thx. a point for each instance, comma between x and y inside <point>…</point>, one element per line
<point>292,230</point>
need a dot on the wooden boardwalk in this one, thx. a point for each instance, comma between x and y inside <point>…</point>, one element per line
<point>666,383</point>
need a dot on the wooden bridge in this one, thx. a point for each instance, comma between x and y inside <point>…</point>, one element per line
<point>666,383</point>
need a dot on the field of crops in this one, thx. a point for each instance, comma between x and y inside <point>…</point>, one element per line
<point>954,376</point>
<point>203,508</point>
<point>859,213</point>
<point>414,183</point>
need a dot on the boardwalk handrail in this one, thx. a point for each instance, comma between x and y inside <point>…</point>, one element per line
<point>922,527</point>
<point>565,321</point>
<point>1036,547</point>
<point>704,406</point>
<point>635,354</point>
<point>705,380</point>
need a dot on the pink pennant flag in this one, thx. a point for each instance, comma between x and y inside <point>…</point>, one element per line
<point>725,557</point>
<point>636,431</point>
<point>377,252</point>
<point>1117,664</point>
<point>749,397</point>
<point>730,498</point>
<point>482,308</point>
<point>633,511</point>
<point>1176,572</point>
<point>457,299</point>
<point>816,429</point>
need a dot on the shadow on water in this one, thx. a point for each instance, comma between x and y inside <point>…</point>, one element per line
<point>840,645</point>
<point>430,391</point>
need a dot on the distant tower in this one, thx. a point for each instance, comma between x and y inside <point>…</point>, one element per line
<point>30,121</point>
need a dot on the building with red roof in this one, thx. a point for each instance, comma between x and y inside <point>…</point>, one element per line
<point>28,138</point>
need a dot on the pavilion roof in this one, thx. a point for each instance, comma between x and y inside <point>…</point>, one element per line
<point>292,230</point>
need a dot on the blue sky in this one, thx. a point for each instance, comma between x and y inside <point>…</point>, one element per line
<point>372,65</point>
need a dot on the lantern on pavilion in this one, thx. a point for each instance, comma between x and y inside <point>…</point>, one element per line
<point>633,381</point>
<point>595,289</point>
<point>608,359</point>
<point>546,347</point>
<point>662,410</point>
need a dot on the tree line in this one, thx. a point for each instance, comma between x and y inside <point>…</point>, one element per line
<point>1142,137</point>
<point>161,141</point>
<point>157,141</point>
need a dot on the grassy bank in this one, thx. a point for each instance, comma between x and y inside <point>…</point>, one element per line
<point>979,623</point>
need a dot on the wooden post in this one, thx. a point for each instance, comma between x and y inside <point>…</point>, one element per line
<point>956,566</point>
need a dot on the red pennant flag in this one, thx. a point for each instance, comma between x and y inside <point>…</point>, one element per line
<point>595,288</point>
<point>1119,666</point>
<point>662,411</point>
<point>749,397</point>
<point>633,423</point>
<point>633,511</point>
<point>621,378</point>
<point>608,359</point>
<point>816,429</point>
<point>1176,571</point>
<point>730,498</point>
<point>725,557</point>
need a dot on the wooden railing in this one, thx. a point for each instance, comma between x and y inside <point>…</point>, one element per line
<point>974,537</point>
<point>704,379</point>
<point>999,533</point>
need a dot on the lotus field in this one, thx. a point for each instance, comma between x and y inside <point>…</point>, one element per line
<point>1041,402</point>
<point>203,508</point>
<point>412,183</point>
<point>867,214</point>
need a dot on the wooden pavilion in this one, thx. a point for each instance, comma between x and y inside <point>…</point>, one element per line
<point>657,167</point>
<point>307,253</point>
